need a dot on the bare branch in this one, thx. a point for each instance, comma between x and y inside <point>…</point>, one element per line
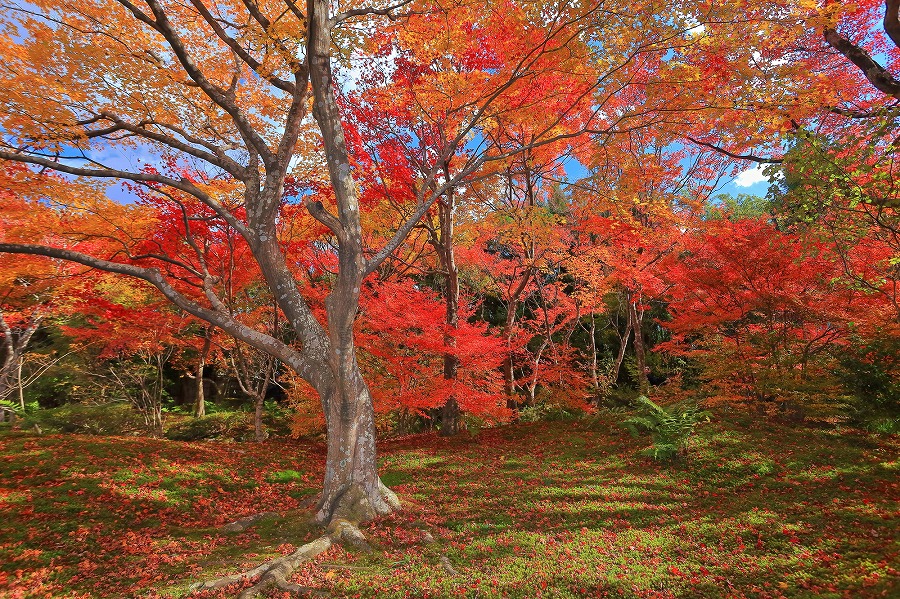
<point>750,157</point>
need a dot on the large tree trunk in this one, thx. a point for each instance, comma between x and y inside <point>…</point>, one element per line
<point>352,489</point>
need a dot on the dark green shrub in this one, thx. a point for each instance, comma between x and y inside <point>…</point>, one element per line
<point>870,372</point>
<point>106,419</point>
<point>221,425</point>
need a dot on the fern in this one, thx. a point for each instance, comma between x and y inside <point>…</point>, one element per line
<point>670,427</point>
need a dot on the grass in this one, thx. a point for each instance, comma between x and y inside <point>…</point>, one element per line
<point>566,509</point>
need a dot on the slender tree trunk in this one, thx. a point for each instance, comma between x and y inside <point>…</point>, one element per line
<point>13,352</point>
<point>511,307</point>
<point>19,383</point>
<point>508,374</point>
<point>257,418</point>
<point>200,399</point>
<point>595,379</point>
<point>637,317</point>
<point>623,345</point>
<point>450,412</point>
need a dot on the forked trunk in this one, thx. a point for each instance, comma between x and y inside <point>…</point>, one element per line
<point>352,489</point>
<point>623,345</point>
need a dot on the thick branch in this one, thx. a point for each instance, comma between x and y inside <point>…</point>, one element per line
<point>877,75</point>
<point>892,20</point>
<point>321,214</point>
<point>358,12</point>
<point>238,330</point>
<point>219,159</point>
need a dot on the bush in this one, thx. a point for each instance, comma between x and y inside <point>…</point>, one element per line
<point>870,372</point>
<point>221,425</point>
<point>671,427</point>
<point>106,419</point>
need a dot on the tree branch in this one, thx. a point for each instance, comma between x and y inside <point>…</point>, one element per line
<point>219,159</point>
<point>877,75</point>
<point>750,157</point>
<point>214,92</point>
<point>358,12</point>
<point>238,330</point>
<point>107,173</point>
<point>251,62</point>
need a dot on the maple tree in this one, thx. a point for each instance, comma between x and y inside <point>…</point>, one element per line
<point>414,211</point>
<point>221,94</point>
<point>32,291</point>
<point>759,308</point>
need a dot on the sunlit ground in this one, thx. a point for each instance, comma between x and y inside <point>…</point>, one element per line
<point>543,510</point>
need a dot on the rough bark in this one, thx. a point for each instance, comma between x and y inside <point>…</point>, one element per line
<point>352,489</point>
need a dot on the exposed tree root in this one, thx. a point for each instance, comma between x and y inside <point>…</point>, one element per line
<point>277,572</point>
<point>245,523</point>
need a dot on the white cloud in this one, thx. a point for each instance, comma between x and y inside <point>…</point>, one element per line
<point>751,177</point>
